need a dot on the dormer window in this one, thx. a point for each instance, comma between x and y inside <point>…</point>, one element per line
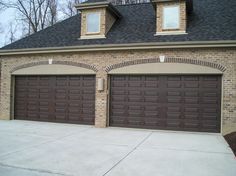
<point>93,23</point>
<point>171,17</point>
<point>97,18</point>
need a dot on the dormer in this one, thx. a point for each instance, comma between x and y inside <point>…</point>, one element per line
<point>97,19</point>
<point>171,16</point>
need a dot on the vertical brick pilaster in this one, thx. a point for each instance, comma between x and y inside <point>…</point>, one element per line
<point>101,106</point>
<point>5,93</point>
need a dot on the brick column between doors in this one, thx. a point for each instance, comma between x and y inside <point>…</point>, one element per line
<point>101,105</point>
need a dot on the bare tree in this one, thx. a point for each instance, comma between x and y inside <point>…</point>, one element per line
<point>123,2</point>
<point>11,33</point>
<point>1,28</point>
<point>68,9</point>
<point>2,5</point>
<point>52,12</point>
<point>36,14</point>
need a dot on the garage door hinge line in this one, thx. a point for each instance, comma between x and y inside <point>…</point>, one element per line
<point>139,144</point>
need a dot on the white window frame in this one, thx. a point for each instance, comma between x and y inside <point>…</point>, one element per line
<point>163,18</point>
<point>99,24</point>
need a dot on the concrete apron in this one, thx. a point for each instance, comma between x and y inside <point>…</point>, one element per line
<point>50,149</point>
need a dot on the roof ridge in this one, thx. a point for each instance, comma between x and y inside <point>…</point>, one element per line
<point>131,4</point>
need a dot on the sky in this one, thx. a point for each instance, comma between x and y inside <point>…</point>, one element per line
<point>6,17</point>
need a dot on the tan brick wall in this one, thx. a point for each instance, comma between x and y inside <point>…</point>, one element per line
<point>110,20</point>
<point>102,60</point>
<point>159,15</point>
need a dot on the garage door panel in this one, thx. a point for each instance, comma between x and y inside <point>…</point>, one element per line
<point>118,113</point>
<point>189,102</point>
<point>193,100</point>
<point>44,115</point>
<point>151,114</point>
<point>32,115</point>
<point>134,84</point>
<point>191,116</point>
<point>173,115</point>
<point>134,98</point>
<point>191,124</point>
<point>60,117</point>
<point>55,98</point>
<point>151,93</point>
<point>172,124</point>
<point>174,100</point>
<point>190,78</point>
<point>172,78</point>
<point>209,116</point>
<point>40,96</point>
<point>210,125</point>
<point>174,85</point>
<point>191,84</point>
<point>213,100</point>
<point>151,84</point>
<point>192,109</point>
<point>173,109</point>
<point>173,93</point>
<point>86,92</point>
<point>151,99</point>
<point>73,97</point>
<point>118,98</point>
<point>43,109</point>
<point>87,97</point>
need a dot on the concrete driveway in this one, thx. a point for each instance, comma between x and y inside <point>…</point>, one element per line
<point>49,149</point>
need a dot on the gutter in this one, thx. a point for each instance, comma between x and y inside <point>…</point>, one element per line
<point>121,47</point>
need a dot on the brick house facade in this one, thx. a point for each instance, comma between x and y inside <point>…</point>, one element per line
<point>101,61</point>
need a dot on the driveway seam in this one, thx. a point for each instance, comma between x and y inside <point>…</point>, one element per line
<point>139,144</point>
<point>34,170</point>
<point>187,150</point>
<point>46,142</point>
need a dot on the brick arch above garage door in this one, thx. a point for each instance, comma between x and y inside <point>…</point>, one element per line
<point>212,65</point>
<point>68,63</point>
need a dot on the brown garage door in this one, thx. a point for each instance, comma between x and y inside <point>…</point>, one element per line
<point>69,99</point>
<point>186,103</point>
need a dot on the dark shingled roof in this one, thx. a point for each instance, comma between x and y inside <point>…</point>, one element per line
<point>211,20</point>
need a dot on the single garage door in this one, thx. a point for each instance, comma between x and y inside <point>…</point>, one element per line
<point>186,103</point>
<point>67,99</point>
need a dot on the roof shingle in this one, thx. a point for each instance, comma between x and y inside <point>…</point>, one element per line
<point>211,20</point>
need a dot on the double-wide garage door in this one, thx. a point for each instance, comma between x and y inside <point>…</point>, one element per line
<point>188,103</point>
<point>69,99</point>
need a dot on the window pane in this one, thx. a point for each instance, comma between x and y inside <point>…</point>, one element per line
<point>171,17</point>
<point>93,23</point>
